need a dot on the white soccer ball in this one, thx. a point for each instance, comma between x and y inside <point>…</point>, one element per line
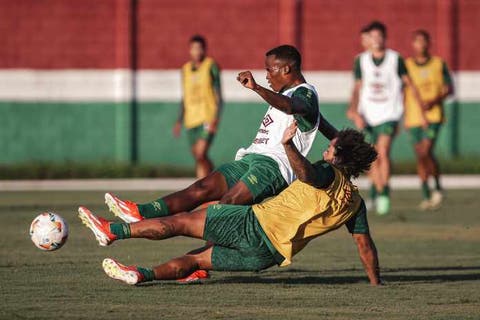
<point>49,231</point>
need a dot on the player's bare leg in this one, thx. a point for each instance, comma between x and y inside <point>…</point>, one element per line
<point>190,224</point>
<point>421,151</point>
<point>204,165</point>
<point>174,269</point>
<point>383,147</point>
<point>427,166</point>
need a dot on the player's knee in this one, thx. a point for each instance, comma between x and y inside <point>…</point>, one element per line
<point>201,188</point>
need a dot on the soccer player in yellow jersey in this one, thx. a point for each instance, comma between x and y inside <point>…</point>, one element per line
<point>432,79</point>
<point>250,238</point>
<point>201,104</point>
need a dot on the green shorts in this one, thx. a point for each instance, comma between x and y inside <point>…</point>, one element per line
<point>358,224</point>
<point>417,134</point>
<point>240,244</point>
<point>388,129</point>
<point>260,173</point>
<point>199,133</point>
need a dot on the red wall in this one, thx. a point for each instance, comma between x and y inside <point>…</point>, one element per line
<point>53,34</point>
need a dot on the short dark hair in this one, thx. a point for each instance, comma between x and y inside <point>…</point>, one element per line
<point>353,155</point>
<point>200,39</point>
<point>288,53</point>
<point>377,25</point>
<point>422,33</point>
<point>365,29</point>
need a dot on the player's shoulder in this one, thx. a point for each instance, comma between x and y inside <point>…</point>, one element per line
<point>393,52</point>
<point>437,60</point>
<point>187,65</point>
<point>305,89</point>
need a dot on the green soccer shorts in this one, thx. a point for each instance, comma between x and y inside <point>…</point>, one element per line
<point>417,134</point>
<point>240,244</point>
<point>260,173</point>
<point>388,129</point>
<point>199,133</point>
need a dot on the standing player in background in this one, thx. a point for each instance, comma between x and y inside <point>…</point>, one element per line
<point>201,105</point>
<point>432,78</point>
<point>377,105</point>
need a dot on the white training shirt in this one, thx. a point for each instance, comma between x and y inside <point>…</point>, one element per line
<point>381,95</point>
<point>268,141</point>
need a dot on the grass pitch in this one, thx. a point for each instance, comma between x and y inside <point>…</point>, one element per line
<point>430,263</point>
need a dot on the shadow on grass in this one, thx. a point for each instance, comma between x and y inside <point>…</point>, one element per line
<point>297,276</point>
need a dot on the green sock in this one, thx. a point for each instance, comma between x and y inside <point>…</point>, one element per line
<point>121,230</point>
<point>437,183</point>
<point>148,274</point>
<point>373,192</point>
<point>425,190</point>
<point>154,209</point>
<point>385,191</point>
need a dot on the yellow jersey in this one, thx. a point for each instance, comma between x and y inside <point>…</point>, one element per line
<point>199,101</point>
<point>429,78</point>
<point>302,212</point>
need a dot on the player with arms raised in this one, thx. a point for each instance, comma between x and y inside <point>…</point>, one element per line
<point>431,76</point>
<point>251,238</point>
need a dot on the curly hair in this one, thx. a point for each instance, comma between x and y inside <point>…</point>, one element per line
<point>353,155</point>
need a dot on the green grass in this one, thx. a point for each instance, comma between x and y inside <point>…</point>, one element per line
<point>430,263</point>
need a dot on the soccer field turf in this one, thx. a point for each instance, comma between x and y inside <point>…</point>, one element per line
<point>430,262</point>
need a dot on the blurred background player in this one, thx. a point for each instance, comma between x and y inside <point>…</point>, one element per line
<point>377,106</point>
<point>201,105</point>
<point>432,79</point>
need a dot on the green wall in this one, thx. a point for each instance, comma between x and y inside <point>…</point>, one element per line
<point>88,132</point>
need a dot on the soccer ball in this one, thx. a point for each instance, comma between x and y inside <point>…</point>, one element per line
<point>49,231</point>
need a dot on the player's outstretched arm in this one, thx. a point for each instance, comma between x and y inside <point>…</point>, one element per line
<point>368,256</point>
<point>326,128</point>
<point>302,168</point>
<point>276,100</point>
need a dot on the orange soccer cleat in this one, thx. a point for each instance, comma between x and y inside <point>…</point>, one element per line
<point>99,226</point>
<point>124,209</point>
<point>195,277</point>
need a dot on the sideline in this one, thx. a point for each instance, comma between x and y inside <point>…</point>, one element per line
<point>404,182</point>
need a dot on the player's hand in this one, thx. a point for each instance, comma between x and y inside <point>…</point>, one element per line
<point>177,128</point>
<point>424,121</point>
<point>359,122</point>
<point>247,80</point>
<point>212,126</point>
<point>290,132</point>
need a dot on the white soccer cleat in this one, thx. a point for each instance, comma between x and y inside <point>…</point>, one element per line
<point>436,199</point>
<point>117,271</point>
<point>99,226</point>
<point>124,209</point>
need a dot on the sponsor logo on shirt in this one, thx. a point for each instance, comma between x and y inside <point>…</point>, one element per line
<point>267,120</point>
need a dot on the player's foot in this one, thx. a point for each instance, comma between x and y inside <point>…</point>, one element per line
<point>124,209</point>
<point>117,271</point>
<point>436,199</point>
<point>99,226</point>
<point>425,205</point>
<point>383,205</point>
<point>195,277</point>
